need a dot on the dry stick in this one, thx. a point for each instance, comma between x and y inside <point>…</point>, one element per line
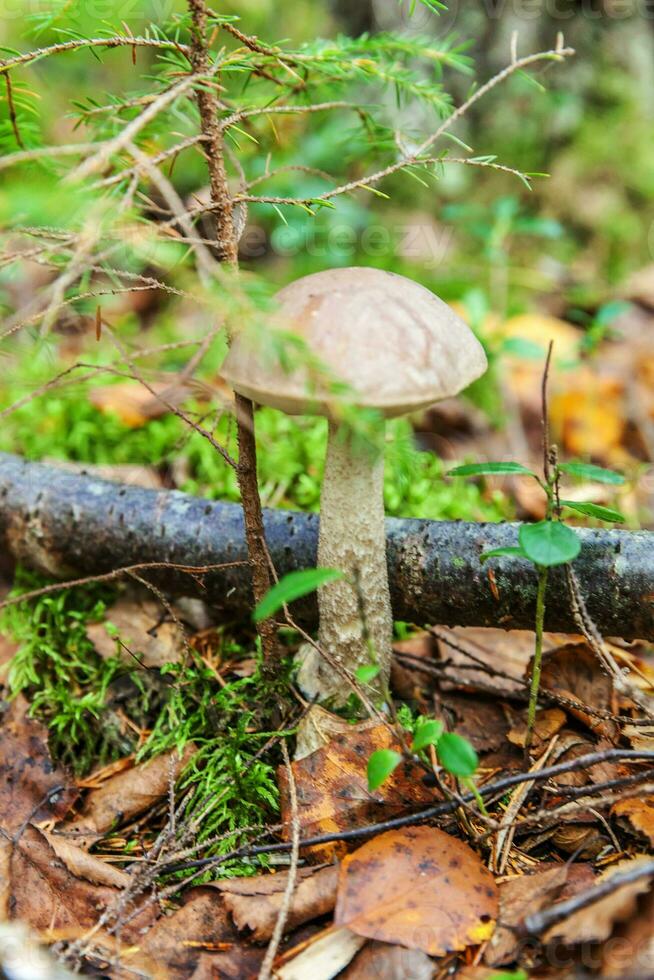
<point>543,571</point>
<point>208,108</point>
<point>539,922</point>
<point>195,570</point>
<point>246,470</point>
<point>439,667</point>
<point>255,534</point>
<point>438,810</point>
<point>170,405</point>
<point>551,817</point>
<point>596,642</point>
<point>506,831</point>
<point>278,932</point>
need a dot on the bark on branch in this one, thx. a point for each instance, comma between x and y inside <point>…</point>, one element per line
<point>69,524</point>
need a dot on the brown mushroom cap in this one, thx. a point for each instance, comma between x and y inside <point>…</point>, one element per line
<point>394,344</point>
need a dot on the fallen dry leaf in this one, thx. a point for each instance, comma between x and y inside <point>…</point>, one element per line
<point>84,865</point>
<point>630,950</point>
<point>31,786</point>
<point>640,736</point>
<point>407,680</point>
<point>386,962</point>
<point>588,416</point>
<point>508,652</point>
<point>50,897</point>
<point>125,795</point>
<point>524,374</point>
<point>255,903</point>
<point>572,746</point>
<point>595,922</point>
<point>419,888</point>
<point>319,726</point>
<point>574,671</point>
<point>201,928</point>
<point>525,895</point>
<point>483,721</point>
<point>583,840</point>
<point>637,815</point>
<point>332,786</point>
<point>140,627</point>
<point>134,404</point>
<point>548,723</point>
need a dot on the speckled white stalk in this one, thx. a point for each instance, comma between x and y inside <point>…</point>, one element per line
<point>353,539</point>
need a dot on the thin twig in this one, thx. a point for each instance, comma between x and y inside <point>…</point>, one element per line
<point>95,42</point>
<point>278,932</point>
<point>438,810</point>
<point>539,922</point>
<point>195,570</point>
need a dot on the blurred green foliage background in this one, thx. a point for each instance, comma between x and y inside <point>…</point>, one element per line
<point>475,236</point>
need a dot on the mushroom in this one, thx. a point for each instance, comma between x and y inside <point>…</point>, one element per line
<point>394,347</point>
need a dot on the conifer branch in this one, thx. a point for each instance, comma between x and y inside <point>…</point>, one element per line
<point>95,42</point>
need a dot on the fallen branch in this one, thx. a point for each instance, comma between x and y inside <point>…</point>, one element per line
<point>69,524</point>
<point>538,923</point>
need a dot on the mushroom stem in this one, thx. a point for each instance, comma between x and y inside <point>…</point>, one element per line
<point>356,622</point>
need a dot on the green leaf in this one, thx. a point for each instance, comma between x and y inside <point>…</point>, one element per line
<point>380,766</point>
<point>294,586</point>
<point>609,311</point>
<point>456,754</point>
<point>588,471</point>
<point>594,510</point>
<point>427,734</point>
<point>490,469</point>
<point>522,347</point>
<point>366,673</point>
<point>549,543</point>
<point>507,552</point>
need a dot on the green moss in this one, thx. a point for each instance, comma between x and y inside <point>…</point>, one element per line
<point>77,694</point>
<point>230,782</point>
<point>64,425</point>
<point>58,669</point>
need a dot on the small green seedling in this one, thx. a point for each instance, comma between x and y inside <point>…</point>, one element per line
<point>381,765</point>
<point>550,542</point>
<point>455,754</point>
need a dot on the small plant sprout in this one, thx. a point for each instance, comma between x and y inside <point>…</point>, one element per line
<point>386,347</point>
<point>549,542</point>
<point>454,753</point>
